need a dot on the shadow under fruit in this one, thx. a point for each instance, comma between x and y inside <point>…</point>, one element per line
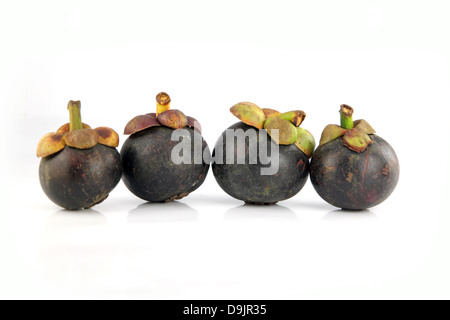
<point>80,166</point>
<point>245,181</point>
<point>353,168</point>
<point>149,171</point>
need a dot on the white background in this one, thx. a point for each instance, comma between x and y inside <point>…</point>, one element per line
<point>390,60</point>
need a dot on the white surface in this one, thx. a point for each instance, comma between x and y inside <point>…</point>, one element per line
<point>388,59</point>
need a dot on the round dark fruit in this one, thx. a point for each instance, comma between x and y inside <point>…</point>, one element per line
<point>80,166</point>
<point>264,158</point>
<point>150,170</point>
<point>150,173</point>
<point>79,179</point>
<point>351,180</point>
<point>245,182</point>
<point>353,168</point>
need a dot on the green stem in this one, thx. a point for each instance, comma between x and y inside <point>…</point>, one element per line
<point>346,117</point>
<point>75,115</point>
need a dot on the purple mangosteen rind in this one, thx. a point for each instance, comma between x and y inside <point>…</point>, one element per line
<point>351,180</point>
<point>149,171</point>
<point>77,179</point>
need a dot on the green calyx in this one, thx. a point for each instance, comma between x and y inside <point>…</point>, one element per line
<point>283,128</point>
<point>355,134</point>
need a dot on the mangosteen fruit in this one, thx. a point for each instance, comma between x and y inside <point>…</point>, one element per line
<point>165,158</point>
<point>264,158</point>
<point>80,166</point>
<point>353,168</point>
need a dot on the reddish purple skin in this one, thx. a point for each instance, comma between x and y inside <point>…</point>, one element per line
<point>79,179</point>
<point>148,170</point>
<point>351,180</point>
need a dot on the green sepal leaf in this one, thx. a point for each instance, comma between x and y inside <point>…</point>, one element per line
<point>249,113</point>
<point>296,117</point>
<point>356,140</point>
<point>270,113</point>
<point>364,126</point>
<point>330,133</point>
<point>305,141</point>
<point>287,132</point>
